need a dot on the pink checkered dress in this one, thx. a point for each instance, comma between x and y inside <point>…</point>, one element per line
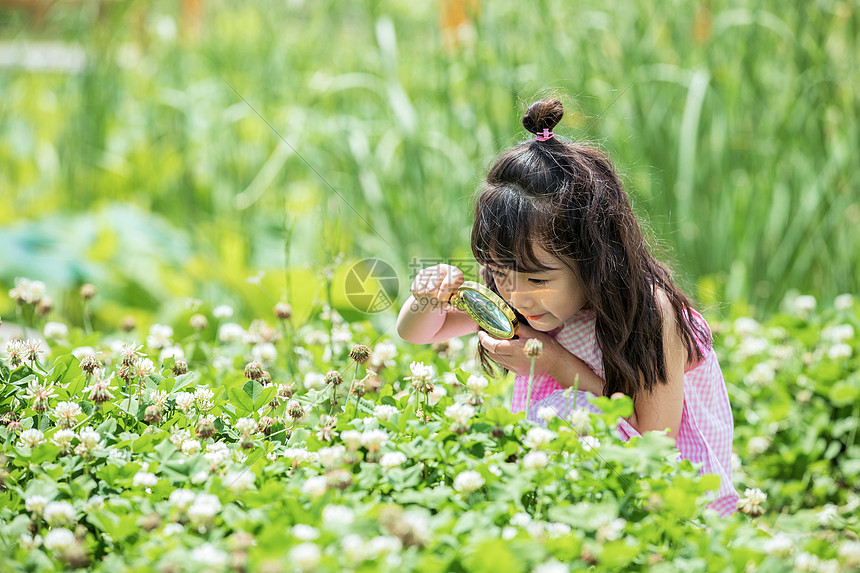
<point>705,435</point>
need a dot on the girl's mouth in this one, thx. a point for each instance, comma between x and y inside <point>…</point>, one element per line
<point>535,317</point>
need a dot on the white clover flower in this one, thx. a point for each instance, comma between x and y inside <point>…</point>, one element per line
<point>460,413</point>
<point>804,305</point>
<point>67,413</point>
<point>89,438</point>
<point>239,481</point>
<point>159,398</point>
<point>450,379</point>
<point>382,544</point>
<point>58,513</point>
<point>780,544</point>
<point>839,351</point>
<point>200,477</point>
<point>849,551</point>
<point>535,460</point>
<point>421,372</point>
<point>580,420</point>
<point>827,514</point>
<point>337,515</point>
<point>304,532</point>
<point>374,439</point>
<point>181,499</point>
<point>63,438</point>
<point>160,335</point>
<point>190,447</point>
<point>807,562</point>
<point>264,353</point>
<point>28,542</point>
<point>314,486</point>
<point>751,501</point>
<point>341,334</point>
<point>509,532</point>
<point>184,401</point>
<point>392,460</point>
<point>56,330</point>
<point>843,302</point>
<point>204,507</point>
<point>589,443</point>
<point>331,456</point>
<point>314,381</point>
<point>35,504</point>
<point>246,425</point>
<point>745,326</point>
<point>477,384</point>
<point>611,531</point>
<point>354,547</point>
<point>546,413</point>
<point>762,373</point>
<point>208,554</point>
<point>174,352</point>
<point>752,346</point>
<point>520,519</point>
<point>203,399</point>
<point>32,438</point>
<point>230,332</point>
<point>306,556</point>
<point>537,438</point>
<point>556,529</point>
<point>60,540</point>
<point>385,411</point>
<point>222,311</point>
<point>758,445</point>
<point>144,479</point>
<point>352,439</point>
<point>551,566</point>
<point>436,395</point>
<point>838,333</point>
<point>383,354</point>
<point>82,351</point>
<point>27,291</point>
<point>468,481</point>
<point>533,348</point>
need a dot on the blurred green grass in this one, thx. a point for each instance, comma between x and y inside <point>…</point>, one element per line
<point>734,125</point>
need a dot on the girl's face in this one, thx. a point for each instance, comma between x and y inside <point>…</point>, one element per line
<point>548,299</point>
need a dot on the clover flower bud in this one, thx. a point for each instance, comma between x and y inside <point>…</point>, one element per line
<point>205,427</point>
<point>198,322</point>
<point>358,388</point>
<point>128,324</point>
<point>265,379</point>
<point>264,426</point>
<point>533,348</point>
<point>360,353</point>
<point>295,410</point>
<point>88,291</point>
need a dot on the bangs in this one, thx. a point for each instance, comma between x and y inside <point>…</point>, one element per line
<point>507,228</point>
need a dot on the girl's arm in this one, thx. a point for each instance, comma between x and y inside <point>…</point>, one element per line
<point>661,409</point>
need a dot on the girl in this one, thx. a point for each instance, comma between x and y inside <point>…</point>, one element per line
<point>558,240</point>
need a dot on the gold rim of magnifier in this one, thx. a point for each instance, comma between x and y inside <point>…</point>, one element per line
<point>496,299</point>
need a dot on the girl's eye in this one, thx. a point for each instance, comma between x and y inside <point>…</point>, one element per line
<point>538,281</point>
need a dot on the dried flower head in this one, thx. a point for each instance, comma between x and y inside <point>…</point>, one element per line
<point>128,324</point>
<point>333,378</point>
<point>180,367</point>
<point>90,363</point>
<point>283,311</point>
<point>152,414</point>
<point>253,370</point>
<point>360,353</point>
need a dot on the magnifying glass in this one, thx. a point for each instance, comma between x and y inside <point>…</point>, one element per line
<point>486,308</point>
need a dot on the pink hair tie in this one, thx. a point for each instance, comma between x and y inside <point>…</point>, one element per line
<point>546,135</point>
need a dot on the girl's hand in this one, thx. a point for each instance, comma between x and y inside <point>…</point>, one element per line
<point>511,353</point>
<point>433,287</point>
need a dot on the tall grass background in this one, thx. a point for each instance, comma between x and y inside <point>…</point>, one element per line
<point>296,137</point>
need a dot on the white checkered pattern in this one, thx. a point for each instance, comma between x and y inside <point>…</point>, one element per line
<point>705,435</point>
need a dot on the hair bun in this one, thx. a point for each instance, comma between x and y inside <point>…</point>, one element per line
<point>543,114</point>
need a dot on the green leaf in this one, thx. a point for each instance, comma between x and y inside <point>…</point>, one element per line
<point>241,400</point>
<point>264,397</point>
<point>844,393</point>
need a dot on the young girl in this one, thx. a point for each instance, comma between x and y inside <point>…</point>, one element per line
<point>558,240</point>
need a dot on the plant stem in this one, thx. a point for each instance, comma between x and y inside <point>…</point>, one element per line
<point>529,391</point>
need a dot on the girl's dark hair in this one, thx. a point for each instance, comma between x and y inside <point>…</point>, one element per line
<point>566,197</point>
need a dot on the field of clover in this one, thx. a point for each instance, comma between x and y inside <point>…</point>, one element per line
<point>210,445</point>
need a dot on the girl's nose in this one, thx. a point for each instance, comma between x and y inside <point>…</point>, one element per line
<point>520,300</point>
